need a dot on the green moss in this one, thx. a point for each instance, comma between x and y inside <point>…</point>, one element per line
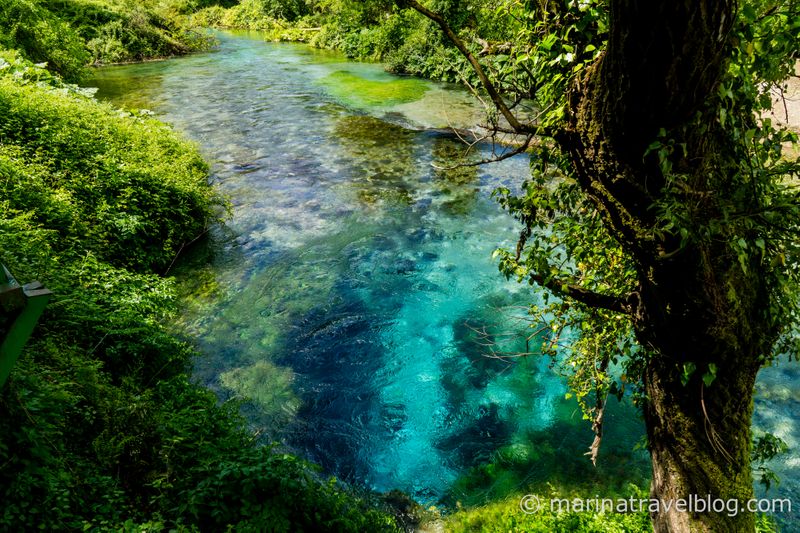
<point>359,91</point>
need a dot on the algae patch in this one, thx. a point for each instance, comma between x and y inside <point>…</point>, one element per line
<point>360,91</point>
<point>266,385</point>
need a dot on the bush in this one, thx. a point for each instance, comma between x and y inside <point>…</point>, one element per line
<point>121,31</point>
<point>69,34</point>
<point>124,186</point>
<point>265,490</point>
<point>252,14</point>
<point>42,36</point>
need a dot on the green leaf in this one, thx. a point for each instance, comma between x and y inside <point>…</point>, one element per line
<point>688,370</point>
<point>711,375</point>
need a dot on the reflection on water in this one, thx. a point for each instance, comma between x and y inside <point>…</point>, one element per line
<point>346,295</point>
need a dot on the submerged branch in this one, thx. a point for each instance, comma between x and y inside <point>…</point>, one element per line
<point>505,155</point>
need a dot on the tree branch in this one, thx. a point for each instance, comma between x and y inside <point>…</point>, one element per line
<point>597,428</point>
<point>493,48</point>
<point>498,101</point>
<point>497,158</point>
<point>599,412</point>
<point>580,294</point>
<point>585,296</point>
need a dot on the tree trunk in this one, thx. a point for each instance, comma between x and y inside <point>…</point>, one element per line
<point>700,448</point>
<point>663,62</point>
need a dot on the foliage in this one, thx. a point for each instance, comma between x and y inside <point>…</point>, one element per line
<point>69,34</point>
<point>511,513</point>
<point>135,203</point>
<point>270,15</point>
<point>43,37</point>
<point>765,448</point>
<point>100,428</point>
<point>120,30</point>
<point>264,489</point>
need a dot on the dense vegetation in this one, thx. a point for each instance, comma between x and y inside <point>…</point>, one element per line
<point>69,34</point>
<point>373,30</point>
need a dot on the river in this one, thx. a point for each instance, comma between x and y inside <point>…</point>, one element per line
<point>352,295</point>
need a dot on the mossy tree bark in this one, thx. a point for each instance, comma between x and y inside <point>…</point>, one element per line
<point>695,304</point>
<point>700,447</point>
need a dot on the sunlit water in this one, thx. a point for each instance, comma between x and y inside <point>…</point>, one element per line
<point>352,296</point>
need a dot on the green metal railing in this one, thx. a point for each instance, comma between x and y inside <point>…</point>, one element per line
<point>20,309</point>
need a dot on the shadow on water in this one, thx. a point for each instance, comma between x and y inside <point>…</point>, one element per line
<point>553,458</point>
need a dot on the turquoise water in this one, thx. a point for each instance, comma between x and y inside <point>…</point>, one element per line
<point>352,296</point>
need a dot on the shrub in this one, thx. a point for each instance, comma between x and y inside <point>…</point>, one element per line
<point>136,192</point>
<point>42,36</point>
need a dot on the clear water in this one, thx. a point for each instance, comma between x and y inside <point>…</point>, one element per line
<point>352,294</point>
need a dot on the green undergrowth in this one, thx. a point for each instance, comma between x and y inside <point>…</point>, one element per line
<point>266,15</point>
<point>100,427</point>
<point>546,511</point>
<point>507,516</point>
<point>68,35</point>
<point>532,513</point>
